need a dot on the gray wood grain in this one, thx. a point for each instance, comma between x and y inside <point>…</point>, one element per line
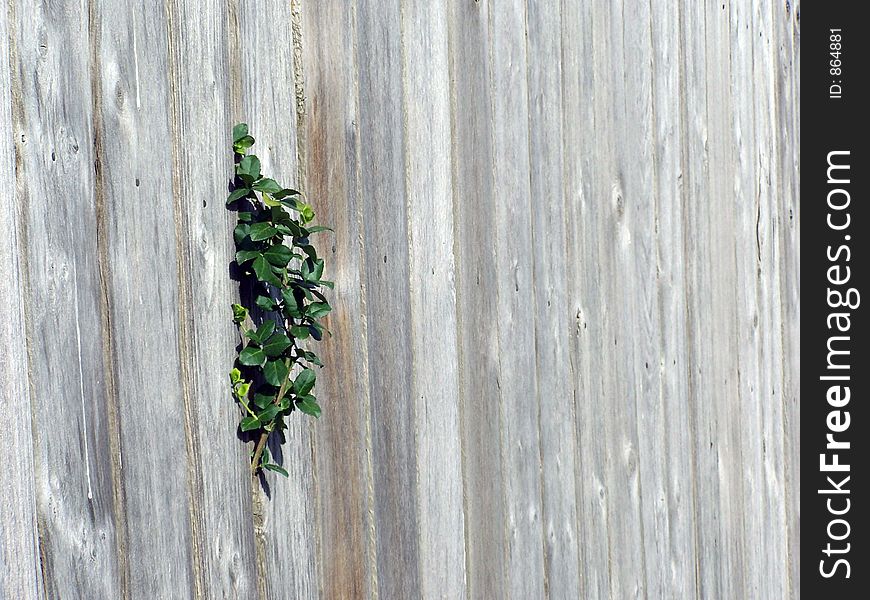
<point>345,491</point>
<point>134,197</point>
<point>268,101</point>
<point>555,392</point>
<point>565,348</point>
<point>636,152</point>
<point>217,464</point>
<point>433,335</point>
<point>78,516</point>
<point>477,307</point>
<point>515,289</point>
<point>670,550</point>
<point>20,575</point>
<point>615,325</point>
<point>786,36</point>
<point>584,181</point>
<point>712,281</point>
<point>385,232</point>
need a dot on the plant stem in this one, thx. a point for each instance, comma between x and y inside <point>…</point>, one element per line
<point>261,443</point>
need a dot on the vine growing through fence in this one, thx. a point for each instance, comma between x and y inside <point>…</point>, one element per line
<point>275,372</point>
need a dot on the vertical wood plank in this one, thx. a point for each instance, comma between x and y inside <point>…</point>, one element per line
<point>64,311</point>
<point>616,324</point>
<point>670,549</point>
<point>554,376</point>
<point>514,281</point>
<point>268,105</point>
<point>429,187</point>
<point>476,280</point>
<point>342,436</point>
<point>786,22</point>
<point>584,179</point>
<point>134,206</point>
<point>753,380</point>
<point>637,156</point>
<point>20,575</point>
<point>712,284</point>
<point>217,463</point>
<point>387,297</point>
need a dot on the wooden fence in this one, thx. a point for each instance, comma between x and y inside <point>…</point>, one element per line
<point>565,355</point>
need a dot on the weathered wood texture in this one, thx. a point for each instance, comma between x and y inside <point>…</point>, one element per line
<point>565,340</point>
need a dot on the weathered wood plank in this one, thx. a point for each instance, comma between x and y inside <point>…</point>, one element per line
<point>582,70</point>
<point>387,283</point>
<point>342,436</point>
<point>20,575</point>
<point>603,404</point>
<point>555,391</point>
<point>217,464</point>
<point>268,105</point>
<point>71,388</point>
<point>514,281</point>
<point>635,150</point>
<point>433,332</point>
<point>711,304</point>
<point>670,548</point>
<point>477,308</point>
<point>786,20</point>
<point>138,267</point>
<point>752,365</point>
<point>616,323</point>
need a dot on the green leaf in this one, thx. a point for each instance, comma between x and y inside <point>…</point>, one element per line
<point>318,309</point>
<point>237,194</point>
<point>235,376</point>
<point>242,145</point>
<point>276,345</point>
<point>316,331</point>
<point>243,256</point>
<point>245,217</point>
<point>275,372</point>
<point>304,382</point>
<point>309,406</point>
<point>263,400</point>
<point>240,313</point>
<point>249,423</point>
<point>240,130</point>
<point>329,284</point>
<point>300,332</point>
<point>242,390</point>
<point>277,469</point>
<point>261,231</point>
<point>306,211</point>
<point>279,255</point>
<point>282,217</point>
<point>310,251</point>
<point>269,201</point>
<point>265,330</point>
<point>268,413</point>
<point>269,186</point>
<point>264,271</point>
<point>252,357</point>
<point>241,232</point>
<point>312,358</point>
<point>318,269</point>
<point>314,272</point>
<point>286,192</point>
<point>249,169</point>
<point>319,228</point>
<point>266,303</point>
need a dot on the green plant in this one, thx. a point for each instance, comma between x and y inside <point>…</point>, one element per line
<point>274,374</point>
